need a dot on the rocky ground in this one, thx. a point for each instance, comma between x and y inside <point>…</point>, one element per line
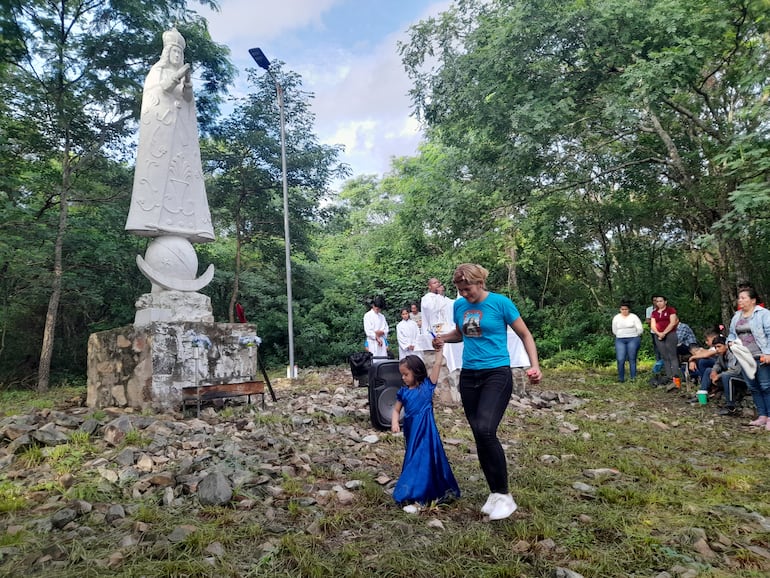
<point>245,457</point>
<point>224,455</point>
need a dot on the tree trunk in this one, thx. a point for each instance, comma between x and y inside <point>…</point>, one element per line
<point>46,351</point>
<point>513,282</point>
<point>728,267</point>
<point>237,271</point>
<point>58,92</point>
<point>545,282</point>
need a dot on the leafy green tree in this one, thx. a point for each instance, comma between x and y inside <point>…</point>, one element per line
<point>76,74</point>
<point>572,103</point>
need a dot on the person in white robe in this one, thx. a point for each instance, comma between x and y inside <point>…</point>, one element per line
<point>407,332</point>
<point>376,329</point>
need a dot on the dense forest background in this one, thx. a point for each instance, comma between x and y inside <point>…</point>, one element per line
<point>584,152</point>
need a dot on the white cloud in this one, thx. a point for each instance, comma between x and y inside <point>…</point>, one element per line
<point>239,20</point>
<point>365,106</point>
<point>355,135</point>
<point>361,92</point>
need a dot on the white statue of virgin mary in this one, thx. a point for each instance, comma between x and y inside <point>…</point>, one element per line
<point>168,201</point>
<point>169,196</point>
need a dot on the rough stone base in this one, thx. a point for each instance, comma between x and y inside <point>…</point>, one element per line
<point>168,306</point>
<point>520,381</point>
<point>147,366</point>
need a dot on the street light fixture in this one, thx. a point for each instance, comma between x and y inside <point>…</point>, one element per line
<point>262,61</point>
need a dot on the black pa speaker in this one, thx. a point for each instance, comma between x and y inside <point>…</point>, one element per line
<point>384,381</point>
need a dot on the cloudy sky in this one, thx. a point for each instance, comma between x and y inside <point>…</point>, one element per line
<point>345,51</point>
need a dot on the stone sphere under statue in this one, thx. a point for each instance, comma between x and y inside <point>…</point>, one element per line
<point>171,263</point>
<point>173,256</point>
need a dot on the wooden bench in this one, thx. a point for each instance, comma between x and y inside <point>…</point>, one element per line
<point>210,391</point>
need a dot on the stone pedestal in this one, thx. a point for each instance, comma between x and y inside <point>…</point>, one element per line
<point>168,306</point>
<point>147,366</point>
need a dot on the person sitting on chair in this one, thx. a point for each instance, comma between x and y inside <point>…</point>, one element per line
<point>727,371</point>
<point>686,342</point>
<point>702,360</point>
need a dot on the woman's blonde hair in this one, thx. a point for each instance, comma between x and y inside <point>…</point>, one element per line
<point>470,273</point>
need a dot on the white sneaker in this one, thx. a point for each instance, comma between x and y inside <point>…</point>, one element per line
<point>411,509</point>
<point>504,507</point>
<point>489,505</point>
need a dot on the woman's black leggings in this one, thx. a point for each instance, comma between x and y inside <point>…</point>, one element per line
<point>485,394</point>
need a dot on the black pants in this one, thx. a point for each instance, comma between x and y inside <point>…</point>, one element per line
<point>485,394</point>
<point>667,348</point>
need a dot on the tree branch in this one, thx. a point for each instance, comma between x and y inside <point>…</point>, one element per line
<point>694,119</point>
<point>673,152</point>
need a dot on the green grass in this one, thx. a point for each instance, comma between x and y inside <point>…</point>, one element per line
<point>16,401</point>
<point>680,472</point>
<point>11,497</point>
<point>135,438</point>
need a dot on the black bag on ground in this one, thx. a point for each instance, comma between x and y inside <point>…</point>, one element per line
<point>360,363</point>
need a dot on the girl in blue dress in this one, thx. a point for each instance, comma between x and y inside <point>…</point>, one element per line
<point>426,475</point>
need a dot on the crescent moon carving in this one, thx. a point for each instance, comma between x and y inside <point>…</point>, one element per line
<point>189,285</point>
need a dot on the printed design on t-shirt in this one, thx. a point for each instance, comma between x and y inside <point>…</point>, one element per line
<point>743,331</point>
<point>472,323</point>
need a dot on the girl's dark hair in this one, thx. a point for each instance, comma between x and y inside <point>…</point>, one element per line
<point>416,366</point>
<point>625,303</point>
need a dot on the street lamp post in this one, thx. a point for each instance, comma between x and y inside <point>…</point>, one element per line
<point>262,61</point>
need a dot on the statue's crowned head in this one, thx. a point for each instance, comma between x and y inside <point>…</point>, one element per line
<point>173,38</point>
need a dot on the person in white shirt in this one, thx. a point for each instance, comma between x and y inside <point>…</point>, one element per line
<point>627,328</point>
<point>428,304</point>
<point>415,314</point>
<point>437,310</point>
<point>376,329</point>
<point>437,317</point>
<point>407,333</point>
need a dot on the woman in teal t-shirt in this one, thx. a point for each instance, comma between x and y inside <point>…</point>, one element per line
<point>482,319</point>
